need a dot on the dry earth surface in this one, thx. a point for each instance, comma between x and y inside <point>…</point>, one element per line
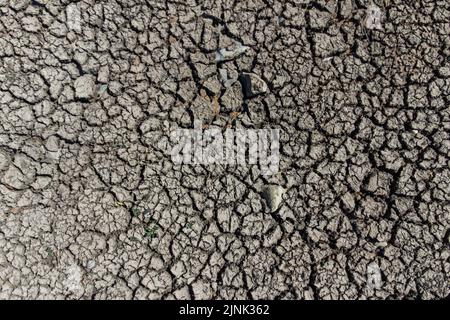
<point>92,207</point>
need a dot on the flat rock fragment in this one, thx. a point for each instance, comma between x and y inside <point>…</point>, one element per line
<point>252,85</point>
<point>225,79</point>
<point>230,53</point>
<point>373,18</point>
<point>273,194</point>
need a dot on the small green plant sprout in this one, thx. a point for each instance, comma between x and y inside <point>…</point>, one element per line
<point>102,88</point>
<point>118,145</point>
<point>190,227</point>
<point>119,204</point>
<point>135,212</point>
<point>134,239</point>
<point>150,232</point>
<point>49,252</point>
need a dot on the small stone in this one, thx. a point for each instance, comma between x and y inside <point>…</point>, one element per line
<point>273,195</point>
<point>85,87</point>
<point>252,85</point>
<point>230,53</point>
<point>90,264</point>
<point>223,74</point>
<point>226,81</point>
<point>348,201</point>
<point>373,18</point>
<point>52,144</point>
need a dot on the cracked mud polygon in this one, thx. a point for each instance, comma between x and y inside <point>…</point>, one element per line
<point>93,207</point>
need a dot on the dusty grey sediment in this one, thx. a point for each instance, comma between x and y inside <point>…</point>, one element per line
<point>91,207</point>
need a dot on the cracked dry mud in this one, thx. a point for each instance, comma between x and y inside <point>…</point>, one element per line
<point>91,207</point>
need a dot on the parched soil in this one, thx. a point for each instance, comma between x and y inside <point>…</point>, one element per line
<point>93,207</point>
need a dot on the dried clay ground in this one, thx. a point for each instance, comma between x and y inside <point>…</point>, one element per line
<point>93,207</point>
